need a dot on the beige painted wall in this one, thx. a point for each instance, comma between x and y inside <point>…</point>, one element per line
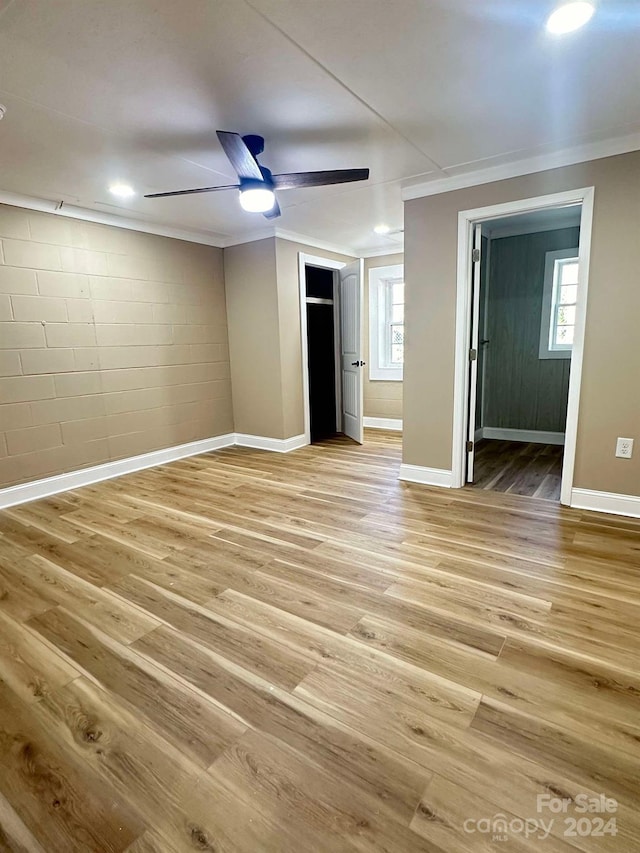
<point>254,338</point>
<point>381,399</point>
<point>263,305</point>
<point>290,330</point>
<point>610,398</point>
<point>112,343</point>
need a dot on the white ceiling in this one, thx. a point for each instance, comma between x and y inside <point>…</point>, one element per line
<point>417,90</point>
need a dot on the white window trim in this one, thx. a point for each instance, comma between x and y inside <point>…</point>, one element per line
<point>547,304</point>
<point>379,280</point>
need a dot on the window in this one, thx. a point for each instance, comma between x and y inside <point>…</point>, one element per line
<point>386,323</point>
<point>559,304</point>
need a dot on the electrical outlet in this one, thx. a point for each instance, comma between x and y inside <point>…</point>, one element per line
<point>624,448</point>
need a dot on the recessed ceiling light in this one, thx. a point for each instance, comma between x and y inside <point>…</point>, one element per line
<point>382,229</point>
<point>122,190</point>
<point>570,17</point>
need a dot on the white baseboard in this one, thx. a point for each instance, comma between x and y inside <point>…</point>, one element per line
<point>535,436</point>
<point>426,476</point>
<point>87,476</point>
<point>606,502</point>
<point>14,495</point>
<point>276,445</point>
<point>383,423</point>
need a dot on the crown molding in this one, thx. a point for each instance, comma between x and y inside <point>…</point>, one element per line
<point>557,159</point>
<point>251,237</point>
<point>61,208</point>
<point>294,237</point>
<point>541,163</point>
<point>28,202</point>
<point>378,252</point>
<point>209,238</point>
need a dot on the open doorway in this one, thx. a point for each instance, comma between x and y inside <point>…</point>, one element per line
<point>528,283</point>
<point>522,290</point>
<point>332,347</point>
<point>322,338</point>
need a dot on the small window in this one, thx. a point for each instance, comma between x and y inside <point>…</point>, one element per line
<point>559,300</point>
<point>386,323</point>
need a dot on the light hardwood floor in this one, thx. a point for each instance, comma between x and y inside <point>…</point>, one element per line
<point>519,468</point>
<point>255,652</point>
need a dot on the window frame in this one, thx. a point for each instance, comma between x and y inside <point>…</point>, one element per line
<point>549,304</point>
<point>381,281</point>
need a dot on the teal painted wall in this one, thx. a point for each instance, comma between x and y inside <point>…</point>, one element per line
<point>522,391</point>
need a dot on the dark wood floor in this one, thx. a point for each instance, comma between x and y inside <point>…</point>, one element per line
<point>518,468</point>
<point>251,652</point>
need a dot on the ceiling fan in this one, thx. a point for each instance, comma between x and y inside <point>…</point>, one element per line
<point>257,185</point>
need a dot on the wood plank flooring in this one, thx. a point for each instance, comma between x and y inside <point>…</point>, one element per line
<point>519,468</point>
<point>253,652</point>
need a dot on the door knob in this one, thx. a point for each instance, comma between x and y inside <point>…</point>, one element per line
<point>358,364</point>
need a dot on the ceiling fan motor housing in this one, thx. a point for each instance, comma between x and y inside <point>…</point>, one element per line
<point>254,143</point>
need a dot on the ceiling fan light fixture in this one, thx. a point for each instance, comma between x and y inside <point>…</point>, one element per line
<point>257,185</point>
<point>570,17</point>
<point>257,199</point>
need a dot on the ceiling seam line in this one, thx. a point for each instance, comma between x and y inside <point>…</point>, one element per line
<point>344,86</point>
<point>105,129</point>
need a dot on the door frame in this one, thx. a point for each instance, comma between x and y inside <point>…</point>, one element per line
<point>486,257</point>
<point>305,260</point>
<point>474,343</point>
<point>466,220</point>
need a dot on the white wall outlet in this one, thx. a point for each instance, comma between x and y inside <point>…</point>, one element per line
<point>624,448</point>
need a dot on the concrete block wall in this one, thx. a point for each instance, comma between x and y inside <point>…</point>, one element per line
<point>112,343</point>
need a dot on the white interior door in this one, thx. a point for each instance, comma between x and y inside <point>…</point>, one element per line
<point>351,284</point>
<point>473,349</point>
